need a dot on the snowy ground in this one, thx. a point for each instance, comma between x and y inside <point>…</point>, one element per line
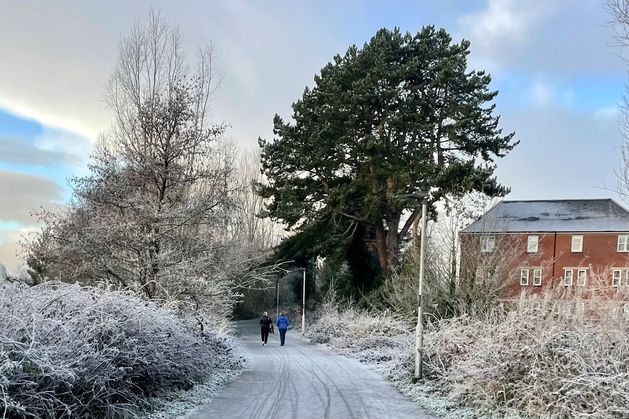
<point>300,380</point>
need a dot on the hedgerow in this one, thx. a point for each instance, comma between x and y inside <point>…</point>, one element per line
<point>535,360</point>
<point>70,351</point>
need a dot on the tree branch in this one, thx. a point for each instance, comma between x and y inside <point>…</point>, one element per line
<point>407,225</point>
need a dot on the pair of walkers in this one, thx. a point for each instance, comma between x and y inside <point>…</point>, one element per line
<point>266,326</point>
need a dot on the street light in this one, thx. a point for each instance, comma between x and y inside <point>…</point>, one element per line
<point>303,309</point>
<point>419,328</point>
<point>419,332</point>
<point>277,296</point>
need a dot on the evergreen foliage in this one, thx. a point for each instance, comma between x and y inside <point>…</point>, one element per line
<point>402,114</point>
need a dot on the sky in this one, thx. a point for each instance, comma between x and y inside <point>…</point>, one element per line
<point>554,62</point>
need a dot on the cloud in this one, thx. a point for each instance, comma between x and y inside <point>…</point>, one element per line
<point>541,94</point>
<point>74,147</point>
<point>508,20</point>
<point>607,113</point>
<point>500,27</point>
<point>20,194</point>
<point>11,248</point>
<point>562,37</point>
<point>21,152</point>
<point>562,154</point>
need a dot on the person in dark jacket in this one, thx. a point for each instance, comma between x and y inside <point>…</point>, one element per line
<point>266,326</point>
<point>282,326</point>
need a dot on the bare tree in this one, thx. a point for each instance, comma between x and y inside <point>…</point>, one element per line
<point>155,215</point>
<point>450,289</point>
<point>263,233</point>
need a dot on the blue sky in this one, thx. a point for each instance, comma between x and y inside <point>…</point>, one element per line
<point>560,79</point>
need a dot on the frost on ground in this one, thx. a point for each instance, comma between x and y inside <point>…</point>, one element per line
<point>529,362</point>
<point>181,403</point>
<point>69,351</point>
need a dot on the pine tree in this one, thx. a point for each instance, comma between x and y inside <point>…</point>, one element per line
<point>402,114</point>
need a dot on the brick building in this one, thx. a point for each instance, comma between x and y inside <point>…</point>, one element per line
<point>579,245</point>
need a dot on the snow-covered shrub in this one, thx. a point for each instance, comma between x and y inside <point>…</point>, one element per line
<point>372,337</point>
<point>536,360</point>
<point>68,351</point>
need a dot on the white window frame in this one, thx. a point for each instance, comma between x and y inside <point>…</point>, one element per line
<point>585,274</point>
<point>623,243</point>
<point>616,277</point>
<point>537,277</point>
<point>626,278</point>
<point>576,244</point>
<point>487,243</point>
<point>567,279</point>
<point>524,277</point>
<point>532,244</point>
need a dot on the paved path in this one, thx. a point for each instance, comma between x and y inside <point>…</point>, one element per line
<point>302,381</point>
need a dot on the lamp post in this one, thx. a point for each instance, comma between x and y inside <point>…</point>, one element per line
<point>277,297</point>
<point>303,309</point>
<point>419,328</point>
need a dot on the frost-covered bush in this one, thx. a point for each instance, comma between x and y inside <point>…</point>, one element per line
<point>68,351</point>
<point>372,337</point>
<point>532,361</point>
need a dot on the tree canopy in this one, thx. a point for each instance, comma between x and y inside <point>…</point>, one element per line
<point>401,115</point>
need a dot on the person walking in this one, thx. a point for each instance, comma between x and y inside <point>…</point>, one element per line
<point>282,326</point>
<point>266,326</point>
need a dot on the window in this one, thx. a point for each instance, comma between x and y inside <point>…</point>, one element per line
<point>620,276</point>
<point>537,277</point>
<point>577,243</point>
<point>616,277</point>
<point>567,278</point>
<point>623,243</point>
<point>487,244</point>
<point>524,277</point>
<point>532,244</point>
<point>581,276</point>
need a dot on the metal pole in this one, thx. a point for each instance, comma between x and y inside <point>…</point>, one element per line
<point>419,330</point>
<point>277,302</point>
<point>303,310</point>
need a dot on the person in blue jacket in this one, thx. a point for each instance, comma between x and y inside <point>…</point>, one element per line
<point>282,326</point>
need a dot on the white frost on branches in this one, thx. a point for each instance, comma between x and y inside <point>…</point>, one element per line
<point>67,351</point>
<point>533,361</point>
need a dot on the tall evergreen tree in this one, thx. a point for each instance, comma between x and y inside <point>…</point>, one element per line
<point>401,115</point>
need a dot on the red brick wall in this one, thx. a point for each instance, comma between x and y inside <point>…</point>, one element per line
<point>554,254</point>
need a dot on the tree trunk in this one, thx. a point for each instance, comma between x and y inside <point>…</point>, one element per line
<point>387,244</point>
<point>381,246</point>
<point>393,243</point>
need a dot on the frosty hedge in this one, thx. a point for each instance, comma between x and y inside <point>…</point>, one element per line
<point>528,362</point>
<point>68,351</point>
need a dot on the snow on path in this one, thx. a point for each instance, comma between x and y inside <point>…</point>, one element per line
<point>302,381</point>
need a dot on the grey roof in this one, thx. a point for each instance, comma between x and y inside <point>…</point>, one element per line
<point>578,215</point>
